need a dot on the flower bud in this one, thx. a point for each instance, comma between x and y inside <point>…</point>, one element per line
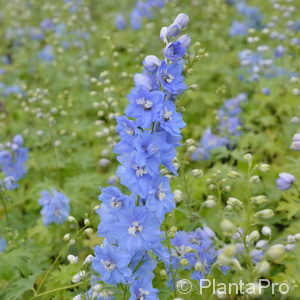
<point>190,142</point>
<point>233,174</point>
<point>164,34</point>
<point>197,173</point>
<point>71,219</point>
<point>173,229</point>
<point>266,231</point>
<point>191,149</point>
<point>259,199</point>
<point>261,244</point>
<point>227,188</point>
<point>151,63</point>
<point>275,252</point>
<point>198,266</point>
<point>252,237</point>
<point>173,30</point>
<point>182,20</point>
<point>86,222</point>
<point>163,273</point>
<point>72,242</point>
<point>236,264</point>
<point>248,157</point>
<point>67,237</point>
<point>229,250</point>
<point>228,227</point>
<point>297,237</point>
<point>178,196</point>
<point>210,203</point>
<point>78,277</point>
<point>291,239</point>
<point>188,249</point>
<point>264,167</point>
<point>77,297</point>
<point>296,142</point>
<point>254,179</point>
<point>290,247</point>
<point>88,230</point>
<point>234,202</point>
<point>263,267</point>
<point>185,40</point>
<point>72,259</point>
<point>88,259</point>
<point>184,261</point>
<point>265,213</point>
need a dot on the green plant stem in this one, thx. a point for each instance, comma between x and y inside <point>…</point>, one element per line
<point>58,289</point>
<point>5,209</point>
<point>56,260</point>
<point>51,267</point>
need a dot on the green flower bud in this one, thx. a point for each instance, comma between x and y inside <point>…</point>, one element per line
<point>265,213</point>
<point>263,267</point>
<point>259,199</point>
<point>264,168</point>
<point>275,252</point>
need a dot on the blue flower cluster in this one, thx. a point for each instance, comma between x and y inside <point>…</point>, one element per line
<point>150,133</point>
<point>252,18</point>
<point>7,90</point>
<point>229,126</point>
<point>197,247</point>
<point>56,207</point>
<point>142,10</point>
<point>13,156</point>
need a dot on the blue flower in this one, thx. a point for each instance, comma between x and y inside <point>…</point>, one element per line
<point>170,77</point>
<point>135,177</point>
<point>208,143</point>
<point>8,183</point>
<point>136,229</point>
<point>3,244</point>
<point>143,289</point>
<point>238,28</point>
<point>13,159</point>
<point>156,3</point>
<point>114,199</point>
<point>144,106</point>
<point>174,51</point>
<point>120,22</point>
<point>46,54</point>
<point>160,200</point>
<point>135,19</point>
<point>12,90</point>
<point>285,181</point>
<point>126,128</point>
<point>142,265</point>
<point>111,263</point>
<point>47,24</point>
<point>55,207</point>
<point>170,120</point>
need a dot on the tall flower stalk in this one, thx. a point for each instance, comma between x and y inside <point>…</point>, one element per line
<point>149,133</point>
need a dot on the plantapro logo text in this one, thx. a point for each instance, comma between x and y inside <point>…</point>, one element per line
<point>242,288</point>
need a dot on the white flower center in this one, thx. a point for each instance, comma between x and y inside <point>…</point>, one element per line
<point>146,104</point>
<point>115,203</point>
<point>140,171</point>
<point>167,115</point>
<point>168,78</point>
<point>142,294</point>
<point>109,266</point>
<point>135,228</point>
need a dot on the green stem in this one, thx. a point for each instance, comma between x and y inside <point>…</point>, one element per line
<point>5,209</point>
<point>58,289</point>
